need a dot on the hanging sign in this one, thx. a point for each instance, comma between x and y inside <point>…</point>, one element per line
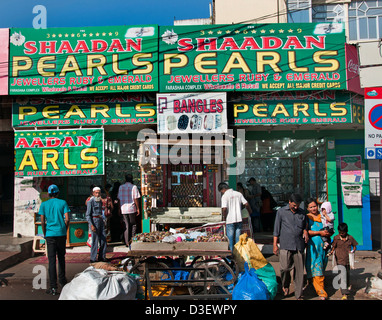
<point>257,57</point>
<point>83,60</point>
<point>373,123</point>
<point>120,109</point>
<point>351,179</point>
<point>192,113</point>
<point>54,153</point>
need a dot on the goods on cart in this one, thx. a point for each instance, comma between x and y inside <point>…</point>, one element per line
<point>206,233</point>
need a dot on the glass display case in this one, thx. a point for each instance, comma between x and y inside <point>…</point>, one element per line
<point>287,166</point>
<point>276,174</point>
<point>78,231</point>
<point>121,158</point>
<point>187,185</point>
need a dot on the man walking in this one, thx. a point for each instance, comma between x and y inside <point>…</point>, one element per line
<point>231,212</point>
<point>291,230</point>
<point>95,220</point>
<point>55,222</point>
<point>129,198</point>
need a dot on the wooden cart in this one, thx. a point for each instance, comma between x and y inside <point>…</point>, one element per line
<point>204,270</point>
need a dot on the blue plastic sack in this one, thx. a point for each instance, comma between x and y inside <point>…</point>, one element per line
<point>250,287</point>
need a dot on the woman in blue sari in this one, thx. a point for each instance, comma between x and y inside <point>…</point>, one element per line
<point>316,259</point>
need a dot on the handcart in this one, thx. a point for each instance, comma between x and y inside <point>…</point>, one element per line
<point>198,270</point>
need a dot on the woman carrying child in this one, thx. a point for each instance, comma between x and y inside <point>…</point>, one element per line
<point>316,258</point>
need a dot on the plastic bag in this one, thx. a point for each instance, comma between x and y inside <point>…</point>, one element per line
<point>351,260</point>
<point>250,287</point>
<point>246,251</point>
<point>98,284</point>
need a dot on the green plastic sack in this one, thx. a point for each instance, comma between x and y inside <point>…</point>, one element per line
<point>247,252</point>
<point>267,274</point>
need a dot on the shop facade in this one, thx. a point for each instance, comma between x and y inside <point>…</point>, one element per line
<point>274,102</point>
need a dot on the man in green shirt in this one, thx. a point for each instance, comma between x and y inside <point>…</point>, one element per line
<point>55,222</point>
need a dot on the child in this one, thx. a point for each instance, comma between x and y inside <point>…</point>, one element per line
<point>327,219</point>
<point>342,246</point>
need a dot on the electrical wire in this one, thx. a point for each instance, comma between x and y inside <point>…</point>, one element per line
<point>212,27</point>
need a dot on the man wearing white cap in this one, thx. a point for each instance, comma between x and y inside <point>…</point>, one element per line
<point>54,223</point>
<point>96,223</point>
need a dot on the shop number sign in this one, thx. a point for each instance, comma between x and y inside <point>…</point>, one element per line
<point>53,153</point>
<point>373,123</point>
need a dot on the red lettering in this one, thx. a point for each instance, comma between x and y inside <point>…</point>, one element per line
<point>185,44</point>
<point>30,47</point>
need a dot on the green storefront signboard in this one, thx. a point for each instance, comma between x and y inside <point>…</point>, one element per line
<point>259,57</point>
<point>53,153</point>
<point>83,60</point>
<point>123,109</point>
<point>299,107</point>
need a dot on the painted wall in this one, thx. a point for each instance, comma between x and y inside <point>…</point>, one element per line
<point>26,202</point>
<point>249,11</point>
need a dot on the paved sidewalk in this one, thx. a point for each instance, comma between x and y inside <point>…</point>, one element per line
<point>21,270</point>
<point>18,280</point>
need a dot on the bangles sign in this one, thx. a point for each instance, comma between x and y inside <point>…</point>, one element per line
<point>122,109</point>
<point>54,153</point>
<point>83,60</point>
<point>192,113</point>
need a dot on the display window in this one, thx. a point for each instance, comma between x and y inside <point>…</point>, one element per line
<point>286,166</point>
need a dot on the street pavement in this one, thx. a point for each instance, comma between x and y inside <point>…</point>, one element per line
<point>21,281</point>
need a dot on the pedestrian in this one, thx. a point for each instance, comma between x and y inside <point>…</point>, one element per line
<point>95,219</point>
<point>244,191</point>
<point>231,212</point>
<point>316,257</point>
<point>55,222</point>
<point>267,212</point>
<point>255,203</point>
<point>290,230</point>
<point>129,198</point>
<point>116,222</point>
<point>107,209</point>
<point>90,193</point>
<point>343,244</point>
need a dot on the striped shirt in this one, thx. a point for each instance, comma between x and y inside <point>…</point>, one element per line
<point>126,195</point>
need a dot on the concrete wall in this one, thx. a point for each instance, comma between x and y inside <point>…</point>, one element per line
<point>26,202</point>
<point>249,11</point>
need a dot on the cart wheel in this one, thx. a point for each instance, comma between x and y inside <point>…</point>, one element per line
<point>220,271</point>
<point>159,289</point>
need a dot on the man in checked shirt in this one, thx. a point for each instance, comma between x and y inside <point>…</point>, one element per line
<point>129,198</point>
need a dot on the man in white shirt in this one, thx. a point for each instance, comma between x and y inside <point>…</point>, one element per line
<point>232,202</point>
<point>128,195</point>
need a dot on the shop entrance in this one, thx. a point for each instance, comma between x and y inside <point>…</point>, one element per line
<point>285,166</point>
<point>194,185</point>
